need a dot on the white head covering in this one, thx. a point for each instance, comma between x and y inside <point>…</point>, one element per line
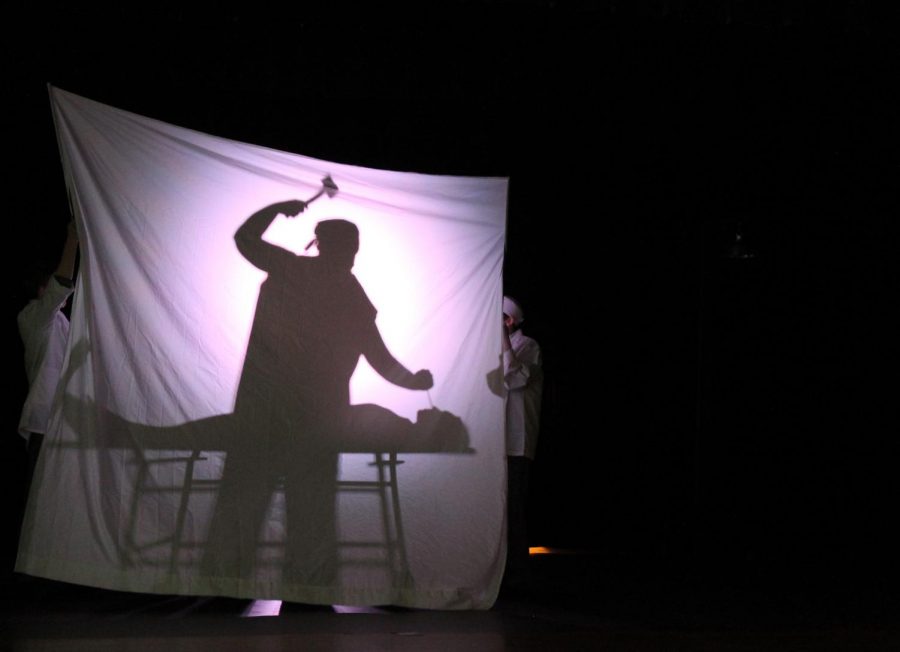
<point>511,308</point>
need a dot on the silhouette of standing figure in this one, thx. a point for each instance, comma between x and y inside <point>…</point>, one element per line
<point>313,322</point>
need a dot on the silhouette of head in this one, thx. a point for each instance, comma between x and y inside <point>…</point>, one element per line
<point>338,241</point>
<point>36,278</point>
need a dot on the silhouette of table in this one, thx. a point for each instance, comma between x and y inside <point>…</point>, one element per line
<point>435,432</point>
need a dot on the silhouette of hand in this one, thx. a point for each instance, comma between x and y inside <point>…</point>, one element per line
<point>290,208</point>
<point>422,379</point>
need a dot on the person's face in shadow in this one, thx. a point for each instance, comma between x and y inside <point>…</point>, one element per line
<point>338,256</point>
<point>338,242</point>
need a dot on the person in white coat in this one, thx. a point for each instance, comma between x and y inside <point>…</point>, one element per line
<point>523,384</point>
<point>44,330</point>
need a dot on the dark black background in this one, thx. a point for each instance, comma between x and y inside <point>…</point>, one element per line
<point>732,418</point>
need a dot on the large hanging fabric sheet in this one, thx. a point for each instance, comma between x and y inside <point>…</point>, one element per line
<point>246,406</point>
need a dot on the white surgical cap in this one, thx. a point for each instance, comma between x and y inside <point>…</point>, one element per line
<point>511,308</point>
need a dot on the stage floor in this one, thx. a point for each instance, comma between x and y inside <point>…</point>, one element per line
<point>576,601</point>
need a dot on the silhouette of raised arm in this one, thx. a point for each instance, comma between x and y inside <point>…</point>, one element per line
<point>66,267</point>
<point>248,237</point>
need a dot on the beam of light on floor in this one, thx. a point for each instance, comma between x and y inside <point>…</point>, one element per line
<point>347,609</point>
<point>261,608</point>
<point>540,550</point>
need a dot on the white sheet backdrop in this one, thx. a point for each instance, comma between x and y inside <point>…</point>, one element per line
<point>129,480</point>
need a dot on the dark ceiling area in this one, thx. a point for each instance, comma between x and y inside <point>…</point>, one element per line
<point>701,409</point>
